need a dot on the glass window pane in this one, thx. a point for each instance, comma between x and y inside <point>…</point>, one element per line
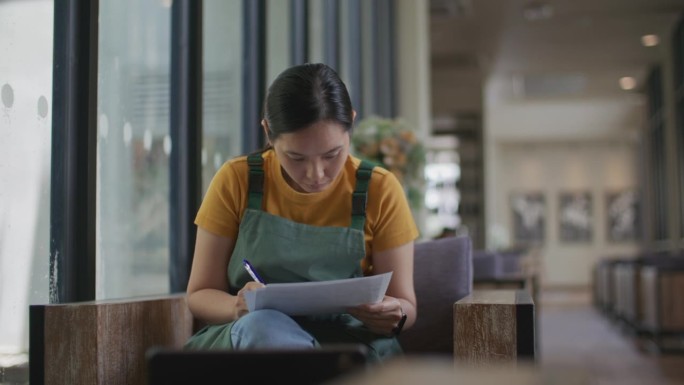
<point>345,48</point>
<point>277,38</point>
<point>368,58</point>
<point>26,34</point>
<point>222,136</point>
<point>316,31</point>
<point>133,148</point>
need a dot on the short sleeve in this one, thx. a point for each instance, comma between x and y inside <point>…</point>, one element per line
<point>390,220</point>
<point>223,204</point>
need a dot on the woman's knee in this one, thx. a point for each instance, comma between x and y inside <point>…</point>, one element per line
<point>265,319</point>
<point>269,328</point>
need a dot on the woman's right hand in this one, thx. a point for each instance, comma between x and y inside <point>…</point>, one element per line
<point>241,305</point>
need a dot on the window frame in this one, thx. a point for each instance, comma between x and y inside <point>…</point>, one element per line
<point>74,145</point>
<point>74,142</point>
<point>186,135</point>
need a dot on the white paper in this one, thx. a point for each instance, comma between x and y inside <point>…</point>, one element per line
<point>320,297</point>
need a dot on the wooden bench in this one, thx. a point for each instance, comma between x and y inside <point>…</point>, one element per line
<point>625,286</point>
<point>106,342</point>
<point>626,281</point>
<point>662,304</point>
<point>604,286</point>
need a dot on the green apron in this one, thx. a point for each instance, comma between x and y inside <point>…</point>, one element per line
<point>285,251</point>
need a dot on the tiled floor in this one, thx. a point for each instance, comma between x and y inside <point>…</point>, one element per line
<point>574,335</point>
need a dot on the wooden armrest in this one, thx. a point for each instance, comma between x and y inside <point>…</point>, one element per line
<point>103,342</point>
<point>494,326</point>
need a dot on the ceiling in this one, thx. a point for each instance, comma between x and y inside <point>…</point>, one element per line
<point>582,48</point>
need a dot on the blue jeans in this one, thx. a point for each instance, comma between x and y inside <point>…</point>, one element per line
<point>269,329</point>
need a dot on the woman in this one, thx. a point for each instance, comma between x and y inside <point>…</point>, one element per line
<point>290,211</point>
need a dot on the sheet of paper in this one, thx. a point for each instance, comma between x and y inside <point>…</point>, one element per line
<point>322,297</point>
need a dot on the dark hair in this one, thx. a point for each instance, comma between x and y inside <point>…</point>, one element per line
<point>303,95</point>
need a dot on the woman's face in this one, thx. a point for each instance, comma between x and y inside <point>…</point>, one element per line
<point>313,157</point>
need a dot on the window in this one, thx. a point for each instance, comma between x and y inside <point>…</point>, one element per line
<point>278,25</point>
<point>26,33</point>
<point>133,148</point>
<point>316,31</point>
<point>222,88</point>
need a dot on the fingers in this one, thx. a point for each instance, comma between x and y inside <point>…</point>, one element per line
<point>241,306</point>
<point>389,305</point>
<point>380,317</point>
<point>252,285</point>
<point>249,286</point>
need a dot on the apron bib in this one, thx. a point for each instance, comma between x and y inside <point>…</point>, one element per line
<point>284,251</point>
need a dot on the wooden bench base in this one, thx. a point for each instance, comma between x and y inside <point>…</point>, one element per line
<point>494,326</point>
<point>103,342</point>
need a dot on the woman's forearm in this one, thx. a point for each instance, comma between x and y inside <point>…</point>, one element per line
<point>212,306</point>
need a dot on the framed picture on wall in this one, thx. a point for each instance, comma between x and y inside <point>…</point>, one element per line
<point>576,217</point>
<point>528,210</point>
<point>622,215</point>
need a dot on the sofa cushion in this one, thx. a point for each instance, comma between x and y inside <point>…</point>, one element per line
<point>511,262</point>
<point>443,274</point>
<point>486,265</point>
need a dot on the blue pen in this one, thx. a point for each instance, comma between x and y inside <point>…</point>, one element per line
<point>252,272</point>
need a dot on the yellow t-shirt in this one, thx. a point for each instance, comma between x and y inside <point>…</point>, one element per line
<point>389,222</point>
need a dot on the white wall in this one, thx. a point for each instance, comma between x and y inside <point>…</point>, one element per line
<point>577,145</point>
<point>553,168</point>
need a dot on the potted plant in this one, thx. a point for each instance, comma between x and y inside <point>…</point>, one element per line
<point>393,145</point>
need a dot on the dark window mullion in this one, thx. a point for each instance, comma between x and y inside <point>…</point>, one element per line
<point>186,137</point>
<point>254,72</point>
<point>355,57</point>
<point>299,33</point>
<point>386,58</point>
<point>382,48</point>
<point>376,69</point>
<point>74,146</point>
<point>331,44</point>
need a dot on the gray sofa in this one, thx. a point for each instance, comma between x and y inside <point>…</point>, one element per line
<point>443,274</point>
<point>487,265</point>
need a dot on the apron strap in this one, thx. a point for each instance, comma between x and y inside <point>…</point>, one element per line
<point>359,196</point>
<point>256,181</point>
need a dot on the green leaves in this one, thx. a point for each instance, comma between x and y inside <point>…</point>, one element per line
<point>393,145</point>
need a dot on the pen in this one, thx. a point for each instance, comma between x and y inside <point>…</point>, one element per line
<point>252,272</point>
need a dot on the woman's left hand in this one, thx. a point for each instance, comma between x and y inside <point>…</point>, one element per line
<point>381,317</point>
